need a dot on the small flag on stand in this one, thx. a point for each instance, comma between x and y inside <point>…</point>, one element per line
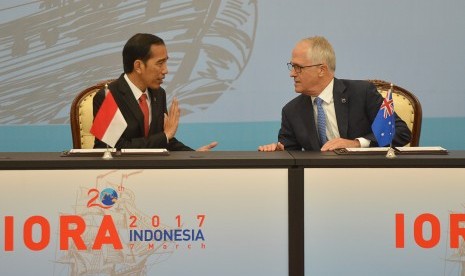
<point>109,124</point>
<point>383,126</point>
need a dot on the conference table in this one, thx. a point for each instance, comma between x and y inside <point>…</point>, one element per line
<point>231,213</point>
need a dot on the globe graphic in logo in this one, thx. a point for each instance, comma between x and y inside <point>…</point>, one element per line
<point>108,197</point>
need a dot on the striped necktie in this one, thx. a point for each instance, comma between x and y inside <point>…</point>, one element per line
<point>321,121</point>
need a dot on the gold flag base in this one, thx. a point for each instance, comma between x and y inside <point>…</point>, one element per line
<point>391,153</point>
<point>107,155</point>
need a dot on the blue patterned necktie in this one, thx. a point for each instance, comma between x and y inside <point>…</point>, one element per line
<point>321,121</point>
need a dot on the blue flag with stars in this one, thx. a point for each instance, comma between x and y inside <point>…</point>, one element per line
<point>383,126</point>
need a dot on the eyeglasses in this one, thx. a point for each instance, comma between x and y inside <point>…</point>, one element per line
<point>298,68</point>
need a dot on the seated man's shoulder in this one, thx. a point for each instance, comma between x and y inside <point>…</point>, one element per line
<point>356,83</point>
<point>360,87</point>
<point>298,101</point>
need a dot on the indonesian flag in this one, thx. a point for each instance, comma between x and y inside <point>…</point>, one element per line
<point>109,124</point>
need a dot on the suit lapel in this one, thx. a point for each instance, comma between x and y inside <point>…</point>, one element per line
<point>156,111</point>
<point>341,106</point>
<point>131,102</point>
<point>309,121</point>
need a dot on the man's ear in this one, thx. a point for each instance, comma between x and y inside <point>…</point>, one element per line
<point>323,70</point>
<point>138,66</point>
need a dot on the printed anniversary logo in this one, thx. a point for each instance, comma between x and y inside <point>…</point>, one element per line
<point>110,235</point>
<point>117,225</point>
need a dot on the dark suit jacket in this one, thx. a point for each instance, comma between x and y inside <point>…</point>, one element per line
<point>133,136</point>
<point>356,104</point>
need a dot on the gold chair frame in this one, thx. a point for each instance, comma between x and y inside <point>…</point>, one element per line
<point>82,116</point>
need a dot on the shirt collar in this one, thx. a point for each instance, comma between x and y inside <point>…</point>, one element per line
<point>327,94</point>
<point>135,90</point>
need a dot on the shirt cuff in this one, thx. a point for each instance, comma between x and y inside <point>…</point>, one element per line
<point>364,143</point>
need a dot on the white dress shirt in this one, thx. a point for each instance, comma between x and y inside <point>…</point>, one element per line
<point>332,131</point>
<point>138,93</point>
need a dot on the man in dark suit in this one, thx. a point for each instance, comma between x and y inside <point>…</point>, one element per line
<point>141,100</point>
<point>330,113</point>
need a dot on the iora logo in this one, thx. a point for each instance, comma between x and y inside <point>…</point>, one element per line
<point>455,230</point>
<point>72,228</point>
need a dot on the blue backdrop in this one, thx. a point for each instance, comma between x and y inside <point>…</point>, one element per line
<point>227,61</point>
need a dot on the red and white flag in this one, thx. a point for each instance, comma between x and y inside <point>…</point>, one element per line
<point>109,124</point>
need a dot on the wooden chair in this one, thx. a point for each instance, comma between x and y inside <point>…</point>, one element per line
<point>406,105</point>
<point>82,117</point>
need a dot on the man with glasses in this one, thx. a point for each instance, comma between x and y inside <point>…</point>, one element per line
<point>329,113</point>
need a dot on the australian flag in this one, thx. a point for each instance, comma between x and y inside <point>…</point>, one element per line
<point>384,124</point>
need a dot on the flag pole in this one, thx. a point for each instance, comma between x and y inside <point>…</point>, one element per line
<point>391,153</point>
<point>107,154</point>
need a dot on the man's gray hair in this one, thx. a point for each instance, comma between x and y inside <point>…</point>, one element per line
<point>321,51</point>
